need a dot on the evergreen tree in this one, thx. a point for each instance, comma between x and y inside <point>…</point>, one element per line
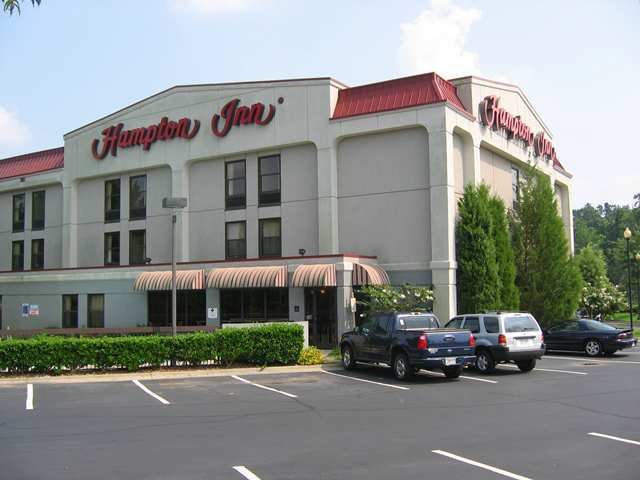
<point>477,276</point>
<point>508,294</point>
<point>549,280</point>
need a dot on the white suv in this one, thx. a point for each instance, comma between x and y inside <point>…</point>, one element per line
<point>503,337</point>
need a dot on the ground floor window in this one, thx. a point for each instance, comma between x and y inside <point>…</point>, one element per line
<point>70,311</point>
<point>190,309</point>
<point>95,310</point>
<point>252,305</point>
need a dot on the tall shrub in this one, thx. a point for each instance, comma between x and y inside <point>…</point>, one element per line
<point>477,276</point>
<point>549,280</point>
<point>508,293</point>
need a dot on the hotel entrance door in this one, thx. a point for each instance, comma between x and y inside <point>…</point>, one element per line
<point>320,309</point>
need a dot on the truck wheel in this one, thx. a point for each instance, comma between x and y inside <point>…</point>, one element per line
<point>452,372</point>
<point>526,365</point>
<point>402,369</point>
<point>485,362</point>
<point>348,362</point>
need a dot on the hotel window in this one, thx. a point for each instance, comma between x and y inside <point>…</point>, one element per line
<point>37,254</point>
<point>95,310</point>
<point>17,256</point>
<point>269,180</point>
<point>137,247</point>
<point>515,185</point>
<point>112,248</point>
<point>18,212</point>
<point>69,311</point>
<point>270,238</point>
<point>138,197</point>
<point>112,200</point>
<point>236,184</point>
<point>236,240</point>
<point>37,210</point>
<point>252,305</point>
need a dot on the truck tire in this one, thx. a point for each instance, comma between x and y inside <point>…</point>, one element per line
<point>348,360</point>
<point>452,372</point>
<point>526,366</point>
<point>485,362</point>
<point>402,369</point>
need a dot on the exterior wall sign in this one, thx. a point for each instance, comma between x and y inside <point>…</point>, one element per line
<point>233,115</point>
<point>496,117</point>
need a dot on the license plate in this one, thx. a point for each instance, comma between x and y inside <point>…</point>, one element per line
<point>450,361</point>
<point>525,343</point>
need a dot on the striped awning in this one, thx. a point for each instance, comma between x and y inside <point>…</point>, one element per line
<point>323,275</point>
<point>368,275</point>
<point>185,280</point>
<point>247,277</point>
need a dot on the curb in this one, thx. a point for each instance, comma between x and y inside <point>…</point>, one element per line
<point>163,374</point>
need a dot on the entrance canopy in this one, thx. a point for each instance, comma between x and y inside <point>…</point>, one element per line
<point>185,280</point>
<point>368,275</point>
<point>323,275</point>
<point>248,277</point>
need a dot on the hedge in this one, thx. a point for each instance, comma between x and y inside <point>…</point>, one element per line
<point>266,345</point>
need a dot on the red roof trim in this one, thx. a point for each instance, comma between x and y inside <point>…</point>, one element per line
<point>32,163</point>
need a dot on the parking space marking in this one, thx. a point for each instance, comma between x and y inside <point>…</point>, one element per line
<point>610,437</point>
<point>440,374</point>
<point>29,402</point>
<point>246,473</point>
<point>290,395</point>
<point>590,359</point>
<point>154,395</point>
<point>481,465</point>
<point>367,381</point>
<point>549,370</point>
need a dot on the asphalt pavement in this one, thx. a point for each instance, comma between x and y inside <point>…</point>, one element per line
<point>571,418</point>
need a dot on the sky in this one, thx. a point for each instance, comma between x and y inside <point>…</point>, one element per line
<point>67,63</point>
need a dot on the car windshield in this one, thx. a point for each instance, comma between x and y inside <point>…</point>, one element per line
<point>520,323</point>
<point>406,322</point>
<point>595,325</point>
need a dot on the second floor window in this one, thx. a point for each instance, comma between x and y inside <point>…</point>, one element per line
<point>269,180</point>
<point>138,197</point>
<point>236,240</point>
<point>37,210</point>
<point>112,248</point>
<point>236,184</point>
<point>17,256</point>
<point>137,247</point>
<point>18,212</point>
<point>112,200</point>
<point>270,238</point>
<point>37,254</point>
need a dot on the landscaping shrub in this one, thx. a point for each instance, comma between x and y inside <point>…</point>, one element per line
<point>310,356</point>
<point>265,345</point>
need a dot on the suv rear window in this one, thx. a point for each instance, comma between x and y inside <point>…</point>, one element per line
<point>520,323</point>
<point>406,322</point>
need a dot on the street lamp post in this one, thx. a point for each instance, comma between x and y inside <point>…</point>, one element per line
<point>638,284</point>
<point>627,237</point>
<point>173,203</point>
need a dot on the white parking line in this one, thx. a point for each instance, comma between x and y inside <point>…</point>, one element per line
<point>290,395</point>
<point>632,442</point>
<point>590,359</point>
<point>481,465</point>
<point>29,403</point>
<point>154,395</point>
<point>549,370</point>
<point>246,473</point>
<point>440,374</point>
<point>398,387</point>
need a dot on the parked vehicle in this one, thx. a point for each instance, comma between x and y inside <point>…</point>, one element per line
<point>589,336</point>
<point>503,337</point>
<point>408,342</point>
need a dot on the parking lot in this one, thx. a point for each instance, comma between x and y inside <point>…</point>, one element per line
<point>571,418</point>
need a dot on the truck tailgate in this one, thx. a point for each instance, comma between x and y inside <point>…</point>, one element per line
<point>445,337</point>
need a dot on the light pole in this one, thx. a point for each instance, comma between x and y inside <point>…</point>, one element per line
<point>627,237</point>
<point>173,203</point>
<point>638,282</point>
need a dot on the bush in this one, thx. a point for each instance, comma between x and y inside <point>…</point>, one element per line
<point>266,345</point>
<point>310,356</point>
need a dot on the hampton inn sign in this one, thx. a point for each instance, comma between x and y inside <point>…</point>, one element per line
<point>497,118</point>
<point>231,115</point>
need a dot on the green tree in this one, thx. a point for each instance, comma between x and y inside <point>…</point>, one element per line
<point>386,298</point>
<point>508,293</point>
<point>478,285</point>
<point>590,261</point>
<point>599,295</point>
<point>549,280</point>
<point>14,5</point>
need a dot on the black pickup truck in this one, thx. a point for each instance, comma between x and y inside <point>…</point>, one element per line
<point>408,342</point>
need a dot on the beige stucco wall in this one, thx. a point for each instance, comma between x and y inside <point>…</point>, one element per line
<point>495,171</point>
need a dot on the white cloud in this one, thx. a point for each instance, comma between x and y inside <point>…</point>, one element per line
<point>13,133</point>
<point>211,7</point>
<point>434,41</point>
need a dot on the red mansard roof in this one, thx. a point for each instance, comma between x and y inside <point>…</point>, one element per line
<point>395,94</point>
<point>30,163</point>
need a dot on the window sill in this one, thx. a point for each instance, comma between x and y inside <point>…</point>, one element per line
<point>112,221</point>
<point>226,209</point>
